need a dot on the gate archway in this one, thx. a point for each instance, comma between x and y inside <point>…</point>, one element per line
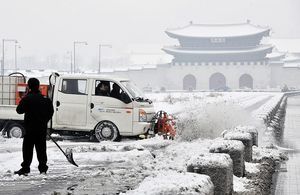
<point>246,81</point>
<point>217,81</point>
<point>189,82</point>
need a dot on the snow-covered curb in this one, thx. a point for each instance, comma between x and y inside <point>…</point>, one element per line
<point>171,182</point>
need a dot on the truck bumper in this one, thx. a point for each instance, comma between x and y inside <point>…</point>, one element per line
<point>140,128</point>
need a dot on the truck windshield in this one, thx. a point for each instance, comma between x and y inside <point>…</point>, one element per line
<point>135,92</point>
<point>133,89</point>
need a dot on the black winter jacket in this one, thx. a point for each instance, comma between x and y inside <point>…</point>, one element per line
<point>38,111</point>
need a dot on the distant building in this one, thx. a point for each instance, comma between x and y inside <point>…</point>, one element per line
<point>217,57</point>
<point>226,56</point>
<point>285,63</point>
<point>220,57</point>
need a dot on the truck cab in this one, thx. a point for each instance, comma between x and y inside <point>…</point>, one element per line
<point>104,106</point>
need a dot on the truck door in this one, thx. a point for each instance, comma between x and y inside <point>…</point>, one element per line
<point>107,104</point>
<point>71,105</point>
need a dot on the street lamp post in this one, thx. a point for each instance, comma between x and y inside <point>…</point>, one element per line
<point>102,45</point>
<point>3,47</point>
<point>74,53</point>
<point>71,60</point>
<point>16,56</point>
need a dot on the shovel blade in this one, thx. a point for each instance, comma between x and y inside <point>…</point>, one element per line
<point>69,156</point>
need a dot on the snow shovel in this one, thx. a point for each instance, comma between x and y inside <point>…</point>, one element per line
<point>68,154</point>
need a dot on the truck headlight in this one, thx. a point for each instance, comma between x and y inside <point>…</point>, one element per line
<point>142,115</point>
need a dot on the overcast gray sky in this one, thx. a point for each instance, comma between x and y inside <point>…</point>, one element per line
<point>45,27</point>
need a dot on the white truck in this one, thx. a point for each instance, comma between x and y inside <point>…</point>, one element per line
<point>80,107</point>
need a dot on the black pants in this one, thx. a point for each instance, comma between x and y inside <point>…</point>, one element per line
<point>39,141</point>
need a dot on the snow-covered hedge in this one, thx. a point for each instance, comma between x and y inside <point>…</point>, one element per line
<point>171,182</point>
<point>220,146</point>
<point>249,129</point>
<point>273,153</point>
<point>246,138</point>
<point>236,151</point>
<point>218,167</point>
<point>269,109</point>
<point>274,122</point>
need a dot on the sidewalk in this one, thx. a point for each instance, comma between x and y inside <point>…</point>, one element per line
<point>288,181</point>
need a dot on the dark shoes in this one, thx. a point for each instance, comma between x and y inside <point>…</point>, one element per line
<point>25,172</point>
<point>22,171</point>
<point>43,168</point>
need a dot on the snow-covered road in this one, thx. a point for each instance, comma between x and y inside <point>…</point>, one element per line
<point>112,168</point>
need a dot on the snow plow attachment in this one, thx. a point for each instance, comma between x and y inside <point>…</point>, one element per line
<point>68,154</point>
<point>163,124</point>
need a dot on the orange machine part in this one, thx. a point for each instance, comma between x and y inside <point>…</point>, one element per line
<point>166,125</point>
<point>22,91</point>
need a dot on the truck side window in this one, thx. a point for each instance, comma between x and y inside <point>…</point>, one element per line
<point>119,94</point>
<point>111,89</point>
<point>116,91</point>
<point>102,88</point>
<point>73,86</point>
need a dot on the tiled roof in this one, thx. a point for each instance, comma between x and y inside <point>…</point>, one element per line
<point>217,30</point>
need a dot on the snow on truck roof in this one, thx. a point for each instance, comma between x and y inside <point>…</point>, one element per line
<point>94,76</point>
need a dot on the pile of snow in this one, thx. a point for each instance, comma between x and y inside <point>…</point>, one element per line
<point>221,145</point>
<point>233,135</point>
<point>133,156</point>
<point>211,160</point>
<point>251,168</point>
<point>155,143</point>
<point>245,128</point>
<point>241,185</point>
<point>2,139</point>
<point>176,155</point>
<point>249,129</point>
<point>278,155</point>
<point>171,182</point>
<point>107,146</point>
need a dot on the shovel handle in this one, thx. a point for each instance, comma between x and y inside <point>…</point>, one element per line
<point>57,144</point>
<point>69,158</point>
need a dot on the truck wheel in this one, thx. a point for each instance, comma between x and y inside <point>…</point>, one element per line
<point>15,130</point>
<point>106,130</point>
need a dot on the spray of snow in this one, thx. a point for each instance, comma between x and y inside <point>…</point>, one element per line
<point>211,120</point>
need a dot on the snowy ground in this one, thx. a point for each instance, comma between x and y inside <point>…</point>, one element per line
<point>143,166</point>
